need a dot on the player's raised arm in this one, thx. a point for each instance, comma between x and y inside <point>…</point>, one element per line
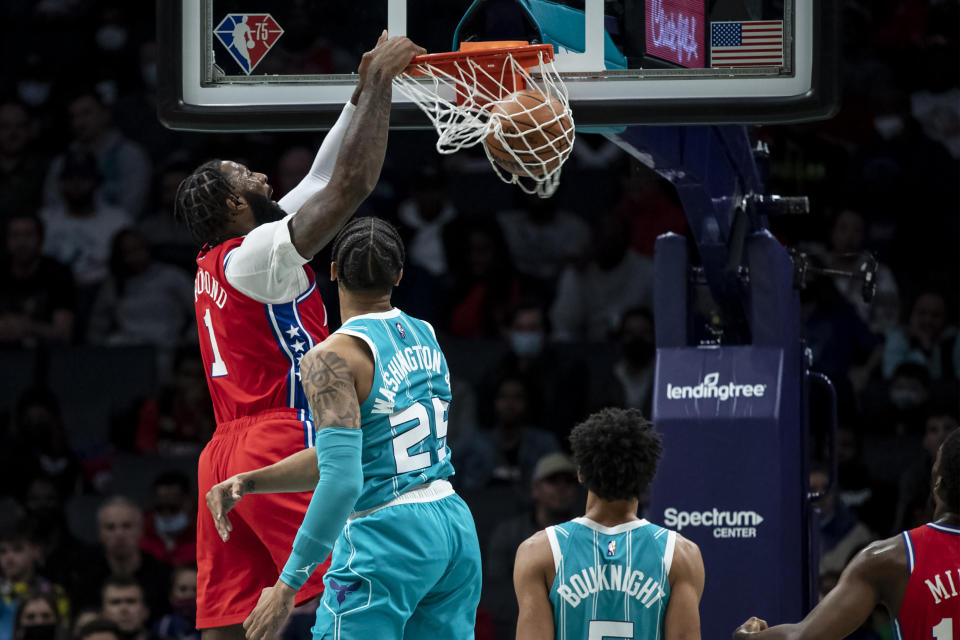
<point>328,374</point>
<point>868,580</point>
<point>682,619</point>
<point>362,152</point>
<point>531,571</point>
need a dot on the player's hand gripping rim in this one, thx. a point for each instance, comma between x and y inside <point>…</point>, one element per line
<point>221,499</point>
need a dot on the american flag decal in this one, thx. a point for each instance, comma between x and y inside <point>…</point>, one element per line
<point>746,44</point>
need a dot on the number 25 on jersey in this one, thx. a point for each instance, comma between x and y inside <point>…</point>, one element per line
<point>413,426</point>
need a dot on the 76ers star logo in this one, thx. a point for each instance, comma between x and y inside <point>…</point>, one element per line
<point>248,37</point>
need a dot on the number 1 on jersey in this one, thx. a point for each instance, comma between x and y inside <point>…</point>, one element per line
<point>219,367</point>
<point>943,630</point>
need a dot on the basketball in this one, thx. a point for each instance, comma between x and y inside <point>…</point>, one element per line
<point>535,128</point>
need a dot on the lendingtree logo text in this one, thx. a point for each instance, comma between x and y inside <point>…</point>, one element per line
<point>710,388</point>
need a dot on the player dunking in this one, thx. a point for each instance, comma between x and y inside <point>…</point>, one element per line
<point>258,312</point>
<point>916,575</point>
<point>406,561</point>
<point>609,574</point>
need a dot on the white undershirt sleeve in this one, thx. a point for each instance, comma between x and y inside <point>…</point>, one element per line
<point>322,169</point>
<point>266,266</point>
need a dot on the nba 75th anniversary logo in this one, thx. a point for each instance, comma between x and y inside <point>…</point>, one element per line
<point>248,37</point>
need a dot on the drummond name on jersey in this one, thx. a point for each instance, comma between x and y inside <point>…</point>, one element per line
<point>207,284</point>
<point>415,358</point>
<point>612,577</point>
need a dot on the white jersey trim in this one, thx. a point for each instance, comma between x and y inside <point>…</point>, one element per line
<point>911,557</point>
<point>368,340</point>
<point>430,492</point>
<point>668,552</point>
<point>610,531</point>
<point>554,548</point>
<point>381,315</point>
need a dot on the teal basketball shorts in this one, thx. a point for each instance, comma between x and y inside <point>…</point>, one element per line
<point>410,570</point>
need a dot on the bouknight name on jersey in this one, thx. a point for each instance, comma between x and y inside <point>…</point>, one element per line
<point>206,284</point>
<point>614,577</point>
<point>413,358</point>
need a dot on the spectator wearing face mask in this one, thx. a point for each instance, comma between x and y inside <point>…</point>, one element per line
<point>38,618</point>
<point>19,579</point>
<point>557,379</point>
<point>181,622</point>
<point>169,530</point>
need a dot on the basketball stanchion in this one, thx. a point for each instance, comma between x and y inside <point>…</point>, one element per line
<point>507,95</point>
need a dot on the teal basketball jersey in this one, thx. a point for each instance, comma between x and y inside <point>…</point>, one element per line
<point>404,419</point>
<point>611,582</point>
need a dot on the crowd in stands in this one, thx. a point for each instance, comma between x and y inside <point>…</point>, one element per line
<point>544,308</point>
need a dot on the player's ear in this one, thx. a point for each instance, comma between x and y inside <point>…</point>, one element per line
<point>333,271</point>
<point>399,278</point>
<point>236,204</point>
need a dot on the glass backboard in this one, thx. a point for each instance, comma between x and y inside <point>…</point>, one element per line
<point>290,64</point>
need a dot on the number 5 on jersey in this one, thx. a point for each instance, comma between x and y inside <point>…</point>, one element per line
<point>415,422</point>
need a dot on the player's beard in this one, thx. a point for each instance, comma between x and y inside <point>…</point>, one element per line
<point>264,209</point>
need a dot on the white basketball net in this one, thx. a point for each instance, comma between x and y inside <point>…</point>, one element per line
<point>460,126</point>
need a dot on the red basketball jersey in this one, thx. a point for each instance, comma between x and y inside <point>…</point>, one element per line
<point>931,605</point>
<point>252,350</point>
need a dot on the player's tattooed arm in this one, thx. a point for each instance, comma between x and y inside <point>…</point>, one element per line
<point>329,384</point>
<point>362,151</point>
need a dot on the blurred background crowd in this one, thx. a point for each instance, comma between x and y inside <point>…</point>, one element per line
<point>543,307</point>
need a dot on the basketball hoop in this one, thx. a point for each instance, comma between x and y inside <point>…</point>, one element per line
<point>483,93</point>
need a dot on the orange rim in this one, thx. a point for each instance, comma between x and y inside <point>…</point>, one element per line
<point>490,55</point>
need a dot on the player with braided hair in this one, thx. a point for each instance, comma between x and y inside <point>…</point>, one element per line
<point>258,313</point>
<point>406,561</point>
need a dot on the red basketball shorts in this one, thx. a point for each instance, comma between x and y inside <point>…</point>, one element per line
<point>232,574</point>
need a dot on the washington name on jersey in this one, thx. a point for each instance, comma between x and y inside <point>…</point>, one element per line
<point>411,359</point>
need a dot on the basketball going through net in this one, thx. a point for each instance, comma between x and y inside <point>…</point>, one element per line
<point>488,92</point>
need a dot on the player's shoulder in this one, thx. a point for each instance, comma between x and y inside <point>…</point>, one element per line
<point>882,559</point>
<point>686,558</point>
<point>534,553</point>
<point>342,349</point>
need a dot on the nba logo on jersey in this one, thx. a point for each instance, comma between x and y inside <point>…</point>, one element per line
<point>248,37</point>
<point>612,548</point>
<point>403,334</point>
